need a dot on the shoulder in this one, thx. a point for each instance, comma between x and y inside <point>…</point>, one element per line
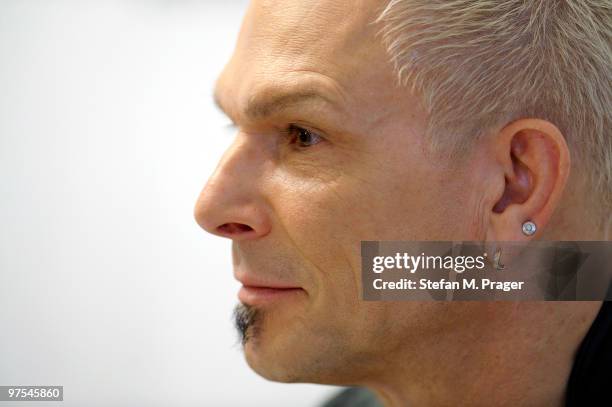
<point>354,397</point>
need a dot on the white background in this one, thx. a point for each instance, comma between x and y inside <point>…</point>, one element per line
<point>107,134</point>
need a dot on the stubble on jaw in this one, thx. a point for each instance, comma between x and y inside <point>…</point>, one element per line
<point>246,321</point>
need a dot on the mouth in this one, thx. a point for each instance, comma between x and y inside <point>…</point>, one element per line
<point>260,295</point>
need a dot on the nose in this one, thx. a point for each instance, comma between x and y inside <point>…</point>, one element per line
<point>232,203</point>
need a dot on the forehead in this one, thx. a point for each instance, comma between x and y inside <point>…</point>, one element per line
<point>283,42</point>
<point>316,27</point>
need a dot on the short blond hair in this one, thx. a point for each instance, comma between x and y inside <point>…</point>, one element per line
<point>478,64</point>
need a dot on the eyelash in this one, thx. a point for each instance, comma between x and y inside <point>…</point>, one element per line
<point>293,132</point>
<point>289,132</point>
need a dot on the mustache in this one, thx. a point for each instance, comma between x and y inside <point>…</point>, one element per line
<point>246,318</point>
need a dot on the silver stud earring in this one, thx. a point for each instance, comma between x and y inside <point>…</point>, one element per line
<point>529,228</point>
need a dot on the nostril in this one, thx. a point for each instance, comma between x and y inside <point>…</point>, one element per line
<point>234,228</point>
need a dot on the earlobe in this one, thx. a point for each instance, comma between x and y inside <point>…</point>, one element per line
<point>534,158</point>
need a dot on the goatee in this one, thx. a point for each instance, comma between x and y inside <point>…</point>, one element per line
<point>245,319</point>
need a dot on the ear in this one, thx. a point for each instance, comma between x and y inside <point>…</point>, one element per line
<point>533,157</point>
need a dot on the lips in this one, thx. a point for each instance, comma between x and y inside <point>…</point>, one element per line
<point>251,281</point>
<point>255,291</point>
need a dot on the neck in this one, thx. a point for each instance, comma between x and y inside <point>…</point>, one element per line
<point>523,354</point>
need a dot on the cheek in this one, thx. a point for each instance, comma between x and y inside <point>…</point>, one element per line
<point>320,220</point>
<point>325,214</point>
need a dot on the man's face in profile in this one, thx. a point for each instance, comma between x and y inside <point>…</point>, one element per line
<point>328,152</point>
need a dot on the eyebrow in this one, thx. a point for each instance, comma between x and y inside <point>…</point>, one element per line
<point>267,103</point>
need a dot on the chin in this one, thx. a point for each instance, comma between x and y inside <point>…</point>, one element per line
<point>280,350</point>
<point>288,353</point>
<point>270,364</point>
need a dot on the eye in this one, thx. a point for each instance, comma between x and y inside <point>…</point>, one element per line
<point>303,137</point>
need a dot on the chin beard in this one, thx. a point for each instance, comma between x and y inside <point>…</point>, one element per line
<point>246,319</point>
